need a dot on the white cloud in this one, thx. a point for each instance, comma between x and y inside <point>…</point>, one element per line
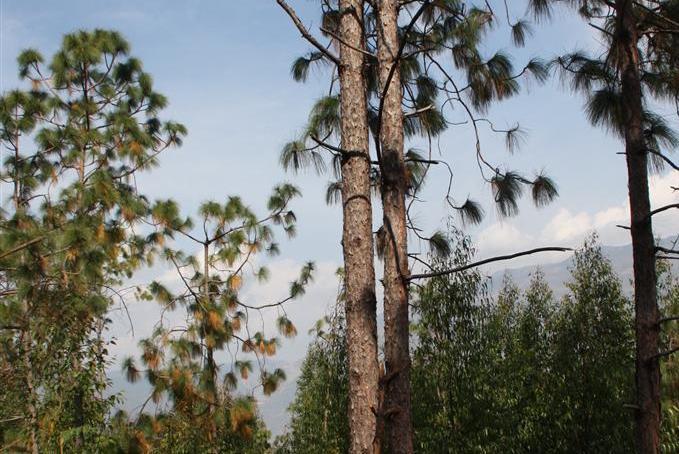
<point>613,215</point>
<point>501,236</point>
<point>566,226</point>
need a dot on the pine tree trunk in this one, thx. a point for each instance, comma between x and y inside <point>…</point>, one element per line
<point>27,347</point>
<point>396,406</point>
<point>357,240</point>
<point>27,336</point>
<point>647,431</point>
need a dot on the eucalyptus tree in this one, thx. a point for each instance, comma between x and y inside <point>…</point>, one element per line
<point>78,137</point>
<point>183,362</point>
<point>634,74</point>
<point>668,297</point>
<point>415,53</point>
<point>593,356</point>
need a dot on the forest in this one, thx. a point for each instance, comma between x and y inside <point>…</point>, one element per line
<point>427,342</point>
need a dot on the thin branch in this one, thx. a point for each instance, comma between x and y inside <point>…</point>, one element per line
<point>305,33</point>
<point>416,112</point>
<point>665,353</point>
<point>665,158</point>
<point>21,247</point>
<point>488,260</point>
<point>668,319</point>
<point>338,38</point>
<point>656,211</point>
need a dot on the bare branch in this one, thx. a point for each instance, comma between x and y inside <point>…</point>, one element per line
<point>488,260</point>
<point>664,208</point>
<point>305,33</point>
<point>666,250</point>
<point>668,319</point>
<point>665,353</point>
<point>338,38</point>
<point>665,158</point>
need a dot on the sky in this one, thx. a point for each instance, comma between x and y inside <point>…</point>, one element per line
<point>225,68</point>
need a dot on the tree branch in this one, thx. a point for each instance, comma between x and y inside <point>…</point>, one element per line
<point>668,319</point>
<point>488,260</point>
<point>21,246</point>
<point>665,353</point>
<point>338,38</point>
<point>305,33</point>
<point>664,208</point>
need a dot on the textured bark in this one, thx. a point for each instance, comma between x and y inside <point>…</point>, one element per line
<point>357,240</point>
<point>31,398</point>
<point>647,428</point>
<point>396,406</point>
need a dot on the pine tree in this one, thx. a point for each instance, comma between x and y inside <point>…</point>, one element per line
<point>184,363</point>
<point>635,70</point>
<point>78,137</point>
<point>346,114</point>
<point>403,70</point>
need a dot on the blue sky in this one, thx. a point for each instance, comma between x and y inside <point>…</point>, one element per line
<point>225,69</point>
<point>224,66</point>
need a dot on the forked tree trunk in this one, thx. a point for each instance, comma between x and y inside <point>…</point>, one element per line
<point>396,406</point>
<point>357,240</point>
<point>647,430</point>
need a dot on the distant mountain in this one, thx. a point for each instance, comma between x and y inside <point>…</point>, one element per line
<point>557,274</point>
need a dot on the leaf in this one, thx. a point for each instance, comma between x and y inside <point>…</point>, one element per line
<point>471,212</point>
<point>507,189</point>
<point>235,282</point>
<point>539,69</point>
<point>519,32</point>
<point>543,190</point>
<point>285,327</point>
<point>439,244</point>
<point>333,193</point>
<point>604,108</point>
<point>295,156</point>
<point>131,372</point>
<point>514,137</point>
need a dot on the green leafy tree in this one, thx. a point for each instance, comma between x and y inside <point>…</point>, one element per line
<point>515,373</point>
<point>593,359</point>
<point>451,405</point>
<point>668,297</point>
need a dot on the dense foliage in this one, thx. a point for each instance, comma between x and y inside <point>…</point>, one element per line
<point>522,371</point>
